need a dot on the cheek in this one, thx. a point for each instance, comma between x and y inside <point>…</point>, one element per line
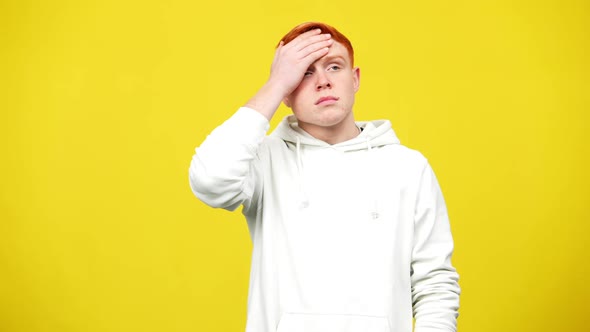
<point>296,93</point>
<point>303,86</point>
<point>299,98</point>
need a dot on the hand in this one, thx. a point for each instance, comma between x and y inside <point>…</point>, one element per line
<point>292,60</point>
<point>290,63</point>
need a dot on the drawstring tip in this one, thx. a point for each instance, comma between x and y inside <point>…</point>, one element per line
<point>304,204</point>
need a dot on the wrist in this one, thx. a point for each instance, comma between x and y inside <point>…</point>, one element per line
<point>267,99</point>
<point>276,88</point>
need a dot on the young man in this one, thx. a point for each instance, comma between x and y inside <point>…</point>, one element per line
<point>349,228</point>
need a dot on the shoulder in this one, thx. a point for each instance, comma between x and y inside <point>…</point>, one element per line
<point>273,147</point>
<point>273,143</point>
<point>401,154</point>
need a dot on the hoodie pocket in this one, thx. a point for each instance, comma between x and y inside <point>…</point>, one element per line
<point>298,322</point>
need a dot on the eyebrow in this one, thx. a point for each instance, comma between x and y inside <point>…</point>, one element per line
<point>333,57</point>
<point>329,59</point>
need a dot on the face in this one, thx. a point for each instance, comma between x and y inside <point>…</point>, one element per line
<point>325,96</point>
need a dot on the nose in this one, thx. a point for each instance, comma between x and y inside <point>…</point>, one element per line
<point>322,82</point>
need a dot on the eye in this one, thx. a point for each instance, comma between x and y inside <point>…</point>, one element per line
<point>308,73</point>
<point>334,68</point>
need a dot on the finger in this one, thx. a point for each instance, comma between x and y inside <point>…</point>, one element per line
<point>312,40</point>
<point>303,37</point>
<point>277,52</point>
<point>279,47</point>
<point>306,34</point>
<point>306,40</point>
<point>314,56</point>
<point>314,47</point>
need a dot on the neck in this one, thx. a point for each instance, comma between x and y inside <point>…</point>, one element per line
<point>340,132</point>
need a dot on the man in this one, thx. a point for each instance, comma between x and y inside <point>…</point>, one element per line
<point>349,228</point>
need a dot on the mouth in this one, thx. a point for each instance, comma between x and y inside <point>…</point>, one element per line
<point>326,100</point>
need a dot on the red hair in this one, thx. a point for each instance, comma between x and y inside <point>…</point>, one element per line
<point>336,35</point>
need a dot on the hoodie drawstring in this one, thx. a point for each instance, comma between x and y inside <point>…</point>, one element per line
<point>375,212</point>
<point>303,201</point>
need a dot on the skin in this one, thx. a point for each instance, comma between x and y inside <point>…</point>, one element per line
<point>308,68</point>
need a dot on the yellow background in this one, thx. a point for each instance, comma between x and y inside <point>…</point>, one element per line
<point>103,102</point>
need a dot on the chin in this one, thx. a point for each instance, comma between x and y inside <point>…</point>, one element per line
<point>323,117</point>
<point>334,116</point>
<point>327,120</point>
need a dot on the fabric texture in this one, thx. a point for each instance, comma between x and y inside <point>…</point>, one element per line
<point>350,237</point>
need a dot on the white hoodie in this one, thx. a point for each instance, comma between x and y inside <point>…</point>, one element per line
<point>350,237</point>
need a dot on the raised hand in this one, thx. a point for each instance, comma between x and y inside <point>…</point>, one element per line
<point>290,63</point>
<point>293,59</point>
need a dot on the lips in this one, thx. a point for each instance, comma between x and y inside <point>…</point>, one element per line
<point>326,99</point>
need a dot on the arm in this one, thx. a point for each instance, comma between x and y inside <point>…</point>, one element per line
<point>221,173</point>
<point>435,288</point>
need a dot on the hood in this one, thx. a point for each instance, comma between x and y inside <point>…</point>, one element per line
<point>375,133</point>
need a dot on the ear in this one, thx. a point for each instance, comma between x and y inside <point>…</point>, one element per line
<point>287,101</point>
<point>356,73</point>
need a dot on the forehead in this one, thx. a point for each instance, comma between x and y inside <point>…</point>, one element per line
<point>337,50</point>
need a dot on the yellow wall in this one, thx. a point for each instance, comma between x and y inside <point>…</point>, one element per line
<point>103,102</point>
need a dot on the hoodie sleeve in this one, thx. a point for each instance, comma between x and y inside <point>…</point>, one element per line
<point>222,173</point>
<point>435,288</point>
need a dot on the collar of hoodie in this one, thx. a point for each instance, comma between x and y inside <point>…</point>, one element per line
<point>303,198</point>
<point>374,135</point>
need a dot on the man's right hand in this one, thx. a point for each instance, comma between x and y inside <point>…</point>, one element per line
<point>289,65</point>
<point>291,61</point>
